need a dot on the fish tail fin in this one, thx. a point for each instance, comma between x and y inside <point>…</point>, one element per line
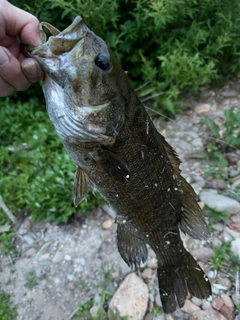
<point>175,281</point>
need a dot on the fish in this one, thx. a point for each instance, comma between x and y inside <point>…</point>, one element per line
<point>118,152</point>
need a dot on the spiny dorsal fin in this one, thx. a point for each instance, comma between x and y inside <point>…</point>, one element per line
<point>81,184</point>
<point>172,155</point>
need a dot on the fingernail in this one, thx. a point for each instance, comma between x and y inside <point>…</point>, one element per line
<point>4,59</point>
<point>30,69</point>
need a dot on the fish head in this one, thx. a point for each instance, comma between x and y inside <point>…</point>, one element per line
<point>79,66</point>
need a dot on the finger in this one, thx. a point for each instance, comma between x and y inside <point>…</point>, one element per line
<point>32,70</point>
<point>21,23</point>
<point>11,71</point>
<point>5,88</point>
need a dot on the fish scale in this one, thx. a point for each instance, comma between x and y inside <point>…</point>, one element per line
<point>118,151</point>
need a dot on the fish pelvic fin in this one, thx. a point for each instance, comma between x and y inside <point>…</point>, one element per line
<point>132,249</point>
<point>81,184</point>
<point>176,281</point>
<point>192,220</point>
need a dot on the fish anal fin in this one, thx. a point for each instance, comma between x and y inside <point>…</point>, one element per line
<point>191,220</point>
<point>81,184</point>
<point>113,164</point>
<point>132,249</point>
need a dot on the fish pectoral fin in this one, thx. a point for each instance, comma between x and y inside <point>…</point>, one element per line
<point>192,220</point>
<point>132,249</point>
<point>113,164</point>
<point>81,184</point>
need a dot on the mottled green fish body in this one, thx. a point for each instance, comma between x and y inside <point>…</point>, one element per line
<point>117,150</point>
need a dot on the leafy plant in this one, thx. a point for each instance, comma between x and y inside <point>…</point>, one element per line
<point>218,165</point>
<point>6,311</point>
<point>83,309</point>
<point>31,279</point>
<point>37,174</point>
<point>224,258</point>
<point>215,216</point>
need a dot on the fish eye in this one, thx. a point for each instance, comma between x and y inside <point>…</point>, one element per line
<point>102,61</point>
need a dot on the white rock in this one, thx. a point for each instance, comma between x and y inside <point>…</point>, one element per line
<point>219,202</point>
<point>131,298</point>
<point>67,257</point>
<point>235,247</point>
<point>29,240</point>
<point>202,108</point>
<point>57,257</point>
<point>190,307</point>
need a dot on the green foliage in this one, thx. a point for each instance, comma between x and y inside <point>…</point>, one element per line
<point>216,216</point>
<point>31,279</point>
<point>37,174</point>
<point>224,259</point>
<point>218,166</point>
<point>6,311</point>
<point>83,309</point>
<point>176,44</point>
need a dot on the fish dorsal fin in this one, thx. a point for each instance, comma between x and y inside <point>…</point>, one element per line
<point>81,184</point>
<point>171,153</point>
<point>113,164</point>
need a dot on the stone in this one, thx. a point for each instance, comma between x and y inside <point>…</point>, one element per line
<point>152,263</point>
<point>158,301</point>
<point>107,224</point>
<point>67,257</point>
<point>30,252</point>
<point>208,314</point>
<point>218,226</point>
<point>235,247</point>
<point>236,299</point>
<point>58,257</point>
<point>29,240</point>
<point>229,94</point>
<point>131,298</point>
<point>24,227</point>
<point>5,228</point>
<point>225,282</point>
<point>233,233</point>
<point>226,312</point>
<point>217,303</point>
<point>203,253</point>
<point>219,184</point>
<point>44,256</point>
<point>202,108</point>
<point>227,300</point>
<point>190,307</point>
<point>94,310</point>
<point>196,301</point>
<point>219,202</point>
<point>147,274</point>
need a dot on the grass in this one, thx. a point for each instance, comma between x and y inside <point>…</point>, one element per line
<point>7,312</point>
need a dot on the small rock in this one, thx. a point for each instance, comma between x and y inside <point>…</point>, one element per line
<point>44,256</point>
<point>131,298</point>
<point>217,303</point>
<point>201,204</point>
<point>109,211</point>
<point>30,252</point>
<point>226,312</point>
<point>24,227</point>
<point>197,142</point>
<point>232,233</point>
<point>229,94</point>
<point>29,240</point>
<point>203,253</point>
<point>107,224</point>
<point>227,300</point>
<point>152,263</point>
<point>5,228</point>
<point>158,301</point>
<point>147,274</point>
<point>236,181</point>
<point>57,257</point>
<point>70,277</point>
<point>208,314</point>
<point>211,274</point>
<point>225,282</point>
<point>236,218</point>
<point>190,307</point>
<point>219,184</point>
<point>235,247</point>
<point>196,301</point>
<point>236,300</point>
<point>202,108</point>
<point>219,202</point>
<point>94,310</point>
<point>67,257</point>
<point>206,305</point>
<point>218,226</point>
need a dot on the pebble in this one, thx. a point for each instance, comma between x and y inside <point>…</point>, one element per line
<point>24,227</point>
<point>217,303</point>
<point>218,226</point>
<point>107,224</point>
<point>67,257</point>
<point>202,108</point>
<point>94,310</point>
<point>5,228</point>
<point>236,300</point>
<point>227,312</point>
<point>131,298</point>
<point>203,253</point>
<point>229,93</point>
<point>225,282</point>
<point>219,202</point>
<point>147,274</point>
<point>152,263</point>
<point>197,142</point>
<point>219,184</point>
<point>57,257</point>
<point>232,233</point>
<point>70,277</point>
<point>227,300</point>
<point>190,307</point>
<point>29,240</point>
<point>235,247</point>
<point>44,256</point>
<point>208,314</point>
<point>30,252</point>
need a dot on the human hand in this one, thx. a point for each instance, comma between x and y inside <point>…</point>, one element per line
<point>16,71</point>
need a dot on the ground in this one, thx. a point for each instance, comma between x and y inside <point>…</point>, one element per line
<point>59,266</point>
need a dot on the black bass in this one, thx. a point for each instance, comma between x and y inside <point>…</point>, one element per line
<point>118,151</point>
